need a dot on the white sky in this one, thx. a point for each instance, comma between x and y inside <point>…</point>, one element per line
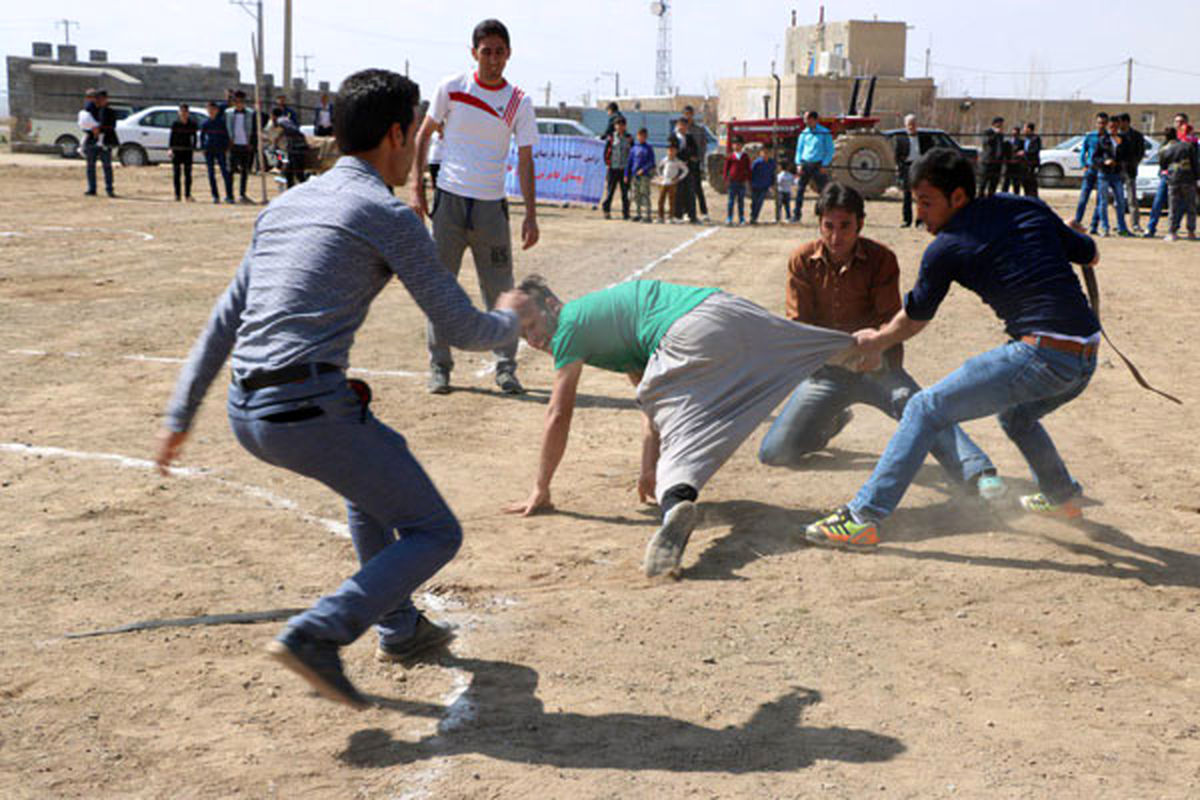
<point>571,43</point>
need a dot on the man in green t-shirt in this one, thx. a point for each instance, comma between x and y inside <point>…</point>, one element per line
<point>708,367</point>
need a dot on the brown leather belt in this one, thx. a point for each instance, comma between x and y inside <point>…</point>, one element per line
<point>1062,345</point>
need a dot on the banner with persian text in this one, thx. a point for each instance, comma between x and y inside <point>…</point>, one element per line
<point>566,168</point>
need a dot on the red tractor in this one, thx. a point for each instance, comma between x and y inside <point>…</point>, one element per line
<point>862,155</point>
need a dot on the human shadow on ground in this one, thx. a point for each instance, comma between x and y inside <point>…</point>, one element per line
<point>542,397</point>
<point>500,716</point>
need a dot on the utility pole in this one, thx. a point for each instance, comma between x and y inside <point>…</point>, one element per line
<point>927,49</point>
<point>616,82</point>
<point>66,26</point>
<point>306,69</point>
<point>287,45</point>
<point>257,14</point>
<point>546,89</point>
<point>406,67</point>
<point>1129,81</point>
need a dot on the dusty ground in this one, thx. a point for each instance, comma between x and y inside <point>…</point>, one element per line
<point>972,656</point>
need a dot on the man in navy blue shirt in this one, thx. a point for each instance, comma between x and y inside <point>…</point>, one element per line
<point>1016,254</point>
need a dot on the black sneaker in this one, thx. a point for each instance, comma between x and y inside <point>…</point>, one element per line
<point>508,383</point>
<point>439,381</point>
<point>665,548</point>
<point>427,636</point>
<point>110,193</point>
<point>318,662</point>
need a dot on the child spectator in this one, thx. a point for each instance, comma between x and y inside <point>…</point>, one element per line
<point>214,140</point>
<point>784,185</point>
<point>737,175</point>
<point>671,170</point>
<point>639,170</point>
<point>762,177</point>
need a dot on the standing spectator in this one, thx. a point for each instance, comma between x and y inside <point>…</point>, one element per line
<point>640,170</point>
<point>685,201</point>
<point>993,158</point>
<point>102,143</point>
<point>435,161</point>
<point>697,165</point>
<point>214,140</point>
<point>240,123</point>
<point>90,127</point>
<point>670,172</point>
<point>1178,161</point>
<point>785,184</point>
<point>323,117</point>
<point>286,135</point>
<point>737,175</point>
<point>1090,171</point>
<point>1170,134</point>
<point>1033,159</point>
<point>762,178</point>
<point>1136,144</point>
<point>814,154</point>
<point>1110,158</point>
<point>614,114</point>
<point>616,155</point>
<point>906,148</point>
<point>184,131</point>
<point>1184,129</point>
<point>282,104</point>
<point>479,114</point>
<point>1014,162</point>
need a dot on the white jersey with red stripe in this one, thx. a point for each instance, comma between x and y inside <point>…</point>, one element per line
<point>478,123</point>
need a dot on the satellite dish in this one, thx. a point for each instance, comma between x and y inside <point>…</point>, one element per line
<point>658,8</point>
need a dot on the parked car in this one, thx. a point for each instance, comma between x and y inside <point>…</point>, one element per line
<point>1147,174</point>
<point>936,137</point>
<point>64,134</point>
<point>658,124</point>
<point>557,126</point>
<point>144,135</point>
<point>1061,167</point>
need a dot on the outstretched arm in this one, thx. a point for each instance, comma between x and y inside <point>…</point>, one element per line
<point>871,342</point>
<point>554,439</point>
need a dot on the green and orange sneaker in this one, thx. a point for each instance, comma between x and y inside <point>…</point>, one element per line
<point>840,530</point>
<point>1040,504</point>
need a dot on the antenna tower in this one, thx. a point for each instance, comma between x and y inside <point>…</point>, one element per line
<point>662,66</point>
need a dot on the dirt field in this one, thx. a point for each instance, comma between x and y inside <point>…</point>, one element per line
<point>972,656</point>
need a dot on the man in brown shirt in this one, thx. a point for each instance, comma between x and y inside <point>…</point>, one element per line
<point>848,282</point>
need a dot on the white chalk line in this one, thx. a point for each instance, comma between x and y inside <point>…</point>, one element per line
<point>24,351</point>
<point>145,237</point>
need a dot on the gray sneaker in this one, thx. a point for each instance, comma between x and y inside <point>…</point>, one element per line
<point>665,548</point>
<point>439,381</point>
<point>427,636</point>
<point>508,383</point>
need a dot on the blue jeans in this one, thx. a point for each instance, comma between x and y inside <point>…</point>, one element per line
<point>737,190</point>
<point>757,198</point>
<point>1160,202</point>
<point>92,152</point>
<point>1085,191</point>
<point>785,202</point>
<point>1114,183</point>
<point>1017,381</point>
<point>805,424</point>
<point>402,530</point>
<point>809,171</point>
<point>218,156</point>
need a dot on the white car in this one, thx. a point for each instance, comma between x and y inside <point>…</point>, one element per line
<point>556,126</point>
<point>1060,164</point>
<point>144,135</point>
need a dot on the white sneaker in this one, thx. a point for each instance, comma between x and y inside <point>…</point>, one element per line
<point>665,548</point>
<point>992,489</point>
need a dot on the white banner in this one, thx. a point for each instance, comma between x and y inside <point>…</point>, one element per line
<point>565,168</point>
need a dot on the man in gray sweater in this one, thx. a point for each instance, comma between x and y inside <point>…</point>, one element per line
<point>318,256</point>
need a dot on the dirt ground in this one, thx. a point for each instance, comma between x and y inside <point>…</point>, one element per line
<point>974,655</point>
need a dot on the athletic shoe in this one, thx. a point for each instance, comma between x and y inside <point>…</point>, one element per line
<point>439,381</point>
<point>665,548</point>
<point>89,194</point>
<point>318,662</point>
<point>1150,234</point>
<point>427,636</point>
<point>508,383</point>
<point>1170,237</point>
<point>992,489</point>
<point>230,200</point>
<point>839,530</point>
<point>110,193</point>
<point>729,221</point>
<point>246,201</point>
<point>1124,234</point>
<point>1040,504</point>
<point>1092,231</point>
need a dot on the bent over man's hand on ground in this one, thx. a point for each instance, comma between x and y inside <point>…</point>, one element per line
<point>538,500</point>
<point>170,443</point>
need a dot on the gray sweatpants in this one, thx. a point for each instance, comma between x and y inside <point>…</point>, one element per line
<point>462,222</point>
<point>716,375</point>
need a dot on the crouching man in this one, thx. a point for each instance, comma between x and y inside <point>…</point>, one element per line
<point>708,367</point>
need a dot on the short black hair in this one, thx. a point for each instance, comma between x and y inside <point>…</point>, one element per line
<point>489,27</point>
<point>613,107</point>
<point>538,290</point>
<point>997,120</point>
<point>183,107</point>
<point>1169,134</point>
<point>1125,117</point>
<point>672,145</point>
<point>689,109</point>
<point>643,130</point>
<point>810,114</point>
<point>620,120</point>
<point>1029,126</point>
<point>239,95</point>
<point>102,93</point>
<point>839,195</point>
<point>1102,115</point>
<point>738,140</point>
<point>368,103</point>
<point>1182,114</point>
<point>945,170</point>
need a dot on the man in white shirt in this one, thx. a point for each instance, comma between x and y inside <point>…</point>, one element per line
<point>478,114</point>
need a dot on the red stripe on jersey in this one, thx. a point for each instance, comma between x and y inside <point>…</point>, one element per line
<point>472,100</point>
<point>514,102</point>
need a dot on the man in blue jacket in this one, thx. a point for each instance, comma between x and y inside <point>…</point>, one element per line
<point>814,154</point>
<point>214,141</point>
<point>1090,170</point>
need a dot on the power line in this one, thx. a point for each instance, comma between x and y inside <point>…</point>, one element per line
<point>1166,69</point>
<point>1021,72</point>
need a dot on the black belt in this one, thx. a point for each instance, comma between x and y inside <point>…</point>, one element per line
<point>292,373</point>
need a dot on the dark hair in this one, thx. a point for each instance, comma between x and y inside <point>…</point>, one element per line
<point>738,140</point>
<point>1102,115</point>
<point>239,95</point>
<point>620,120</point>
<point>102,93</point>
<point>838,195</point>
<point>368,103</point>
<point>643,130</point>
<point>1029,126</point>
<point>489,27</point>
<point>681,119</point>
<point>997,120</point>
<point>184,107</point>
<point>1125,117</point>
<point>945,170</point>
<point>1169,135</point>
<point>613,107</point>
<point>276,113</point>
<point>689,109</point>
<point>811,114</point>
<point>538,290</point>
<point>1182,114</point>
<point>672,145</point>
